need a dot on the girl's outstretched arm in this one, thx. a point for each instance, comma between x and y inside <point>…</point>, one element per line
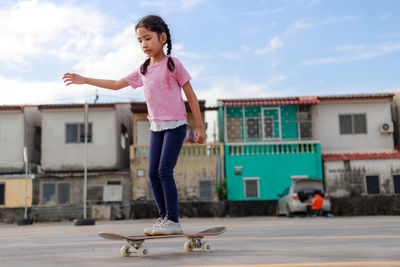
<point>194,107</point>
<point>73,78</point>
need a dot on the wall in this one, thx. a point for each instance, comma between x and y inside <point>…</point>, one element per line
<point>347,178</point>
<point>123,115</point>
<point>11,141</point>
<point>74,210</point>
<point>328,127</point>
<point>271,166</point>
<point>15,191</point>
<point>192,167</point>
<point>58,155</point>
<point>32,121</point>
<point>395,108</point>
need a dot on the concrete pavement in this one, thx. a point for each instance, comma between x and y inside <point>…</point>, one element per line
<point>249,241</point>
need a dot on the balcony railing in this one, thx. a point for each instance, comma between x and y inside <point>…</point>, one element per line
<point>271,148</point>
<point>212,149</point>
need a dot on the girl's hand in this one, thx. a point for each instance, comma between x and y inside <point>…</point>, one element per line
<point>199,135</point>
<point>73,78</point>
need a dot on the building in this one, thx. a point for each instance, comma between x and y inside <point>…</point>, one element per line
<point>358,145</point>
<point>267,142</point>
<point>199,168</point>
<point>20,128</point>
<point>59,183</point>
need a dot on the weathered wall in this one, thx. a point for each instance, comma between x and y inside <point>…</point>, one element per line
<point>12,130</point>
<point>57,155</point>
<point>373,141</point>
<point>347,178</point>
<point>15,191</point>
<point>187,173</point>
<point>366,205</point>
<point>147,209</point>
<point>32,121</point>
<point>395,108</point>
<point>123,116</point>
<point>12,215</point>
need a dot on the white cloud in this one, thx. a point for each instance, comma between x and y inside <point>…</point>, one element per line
<point>124,57</point>
<point>273,44</point>
<point>177,49</point>
<point>36,29</point>
<point>235,87</point>
<point>18,92</point>
<point>308,23</point>
<point>171,5</point>
<point>355,53</point>
<point>313,3</point>
<point>72,37</point>
<point>261,12</point>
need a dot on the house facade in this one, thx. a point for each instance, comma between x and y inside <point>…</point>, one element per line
<point>268,141</point>
<point>20,128</point>
<point>358,144</point>
<point>59,182</point>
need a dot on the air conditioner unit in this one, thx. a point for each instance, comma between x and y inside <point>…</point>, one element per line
<point>386,127</point>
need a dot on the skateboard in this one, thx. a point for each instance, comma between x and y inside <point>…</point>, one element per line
<point>136,241</point>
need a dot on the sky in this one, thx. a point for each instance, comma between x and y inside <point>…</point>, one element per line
<point>231,48</point>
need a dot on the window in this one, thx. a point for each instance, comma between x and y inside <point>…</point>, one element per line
<point>2,193</point>
<point>205,188</point>
<point>95,193</point>
<point>372,182</point>
<point>251,187</point>
<point>75,133</point>
<point>269,131</point>
<point>63,193</point>
<point>353,124</point>
<point>305,121</point>
<point>49,194</point>
<point>234,129</point>
<point>55,193</point>
<point>396,184</point>
<point>253,128</point>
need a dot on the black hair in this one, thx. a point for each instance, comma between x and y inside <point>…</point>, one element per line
<point>156,24</point>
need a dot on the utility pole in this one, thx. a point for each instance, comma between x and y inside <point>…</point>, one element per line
<point>25,220</point>
<point>85,221</point>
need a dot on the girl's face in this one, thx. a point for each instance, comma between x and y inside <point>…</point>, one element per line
<point>150,42</point>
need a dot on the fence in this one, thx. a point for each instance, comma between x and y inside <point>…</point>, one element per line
<point>270,149</point>
<point>211,149</point>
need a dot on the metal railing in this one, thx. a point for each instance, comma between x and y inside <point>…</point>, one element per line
<point>271,149</point>
<point>211,149</point>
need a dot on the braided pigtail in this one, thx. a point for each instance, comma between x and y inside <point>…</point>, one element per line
<point>144,66</point>
<point>171,65</point>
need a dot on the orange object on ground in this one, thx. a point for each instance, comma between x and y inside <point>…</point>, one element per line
<point>317,202</point>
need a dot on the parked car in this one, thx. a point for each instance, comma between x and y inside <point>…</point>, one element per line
<point>293,199</point>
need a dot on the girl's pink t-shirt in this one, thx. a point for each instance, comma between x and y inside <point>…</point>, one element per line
<point>162,90</point>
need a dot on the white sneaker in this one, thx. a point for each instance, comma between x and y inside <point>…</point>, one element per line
<point>168,227</point>
<point>156,223</point>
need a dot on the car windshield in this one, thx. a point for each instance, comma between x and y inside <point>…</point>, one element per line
<point>309,185</point>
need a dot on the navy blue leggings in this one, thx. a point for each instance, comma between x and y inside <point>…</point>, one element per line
<point>164,150</point>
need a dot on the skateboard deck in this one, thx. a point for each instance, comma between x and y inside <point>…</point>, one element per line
<point>136,241</point>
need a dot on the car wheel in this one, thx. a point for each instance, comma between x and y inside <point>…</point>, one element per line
<point>289,212</point>
<point>277,211</point>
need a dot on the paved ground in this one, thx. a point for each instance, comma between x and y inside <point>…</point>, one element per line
<point>251,241</point>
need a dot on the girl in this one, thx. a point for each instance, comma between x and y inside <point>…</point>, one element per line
<point>162,77</point>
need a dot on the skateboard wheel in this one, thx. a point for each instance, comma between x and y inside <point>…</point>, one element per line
<point>125,251</point>
<point>205,247</point>
<point>188,246</point>
<point>143,252</point>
